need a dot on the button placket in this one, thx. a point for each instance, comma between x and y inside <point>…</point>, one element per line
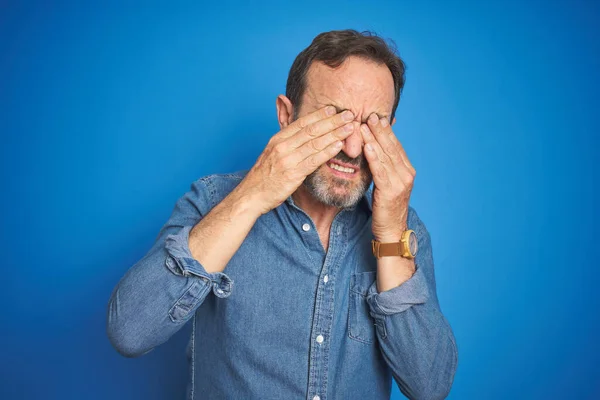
<point>322,323</point>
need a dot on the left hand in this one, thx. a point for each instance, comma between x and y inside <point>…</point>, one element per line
<point>393,176</point>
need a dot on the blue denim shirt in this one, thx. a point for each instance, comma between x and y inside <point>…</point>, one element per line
<point>285,319</point>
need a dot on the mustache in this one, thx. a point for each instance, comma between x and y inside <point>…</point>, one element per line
<point>359,161</point>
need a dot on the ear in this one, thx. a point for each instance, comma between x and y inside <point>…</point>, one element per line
<point>393,121</point>
<point>285,111</point>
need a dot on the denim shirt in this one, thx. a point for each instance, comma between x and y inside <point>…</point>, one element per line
<point>286,319</point>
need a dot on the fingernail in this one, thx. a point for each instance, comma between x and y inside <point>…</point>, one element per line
<point>368,147</point>
<point>330,110</point>
<point>384,122</point>
<point>364,129</point>
<point>347,116</point>
<point>338,144</point>
<point>373,119</point>
<point>349,127</point>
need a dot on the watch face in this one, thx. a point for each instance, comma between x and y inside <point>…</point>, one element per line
<point>413,243</point>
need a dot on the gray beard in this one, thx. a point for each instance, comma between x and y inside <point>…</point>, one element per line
<point>321,188</point>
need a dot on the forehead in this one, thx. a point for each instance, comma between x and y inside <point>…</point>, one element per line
<point>359,85</point>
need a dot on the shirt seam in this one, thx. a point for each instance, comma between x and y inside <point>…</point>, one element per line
<point>193,362</point>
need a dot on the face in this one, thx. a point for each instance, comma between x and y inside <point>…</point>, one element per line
<point>362,87</point>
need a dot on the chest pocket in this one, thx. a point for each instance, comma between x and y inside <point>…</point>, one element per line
<point>361,326</point>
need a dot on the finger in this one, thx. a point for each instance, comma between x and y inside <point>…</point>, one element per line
<point>380,130</point>
<point>389,142</point>
<point>306,120</point>
<point>319,143</point>
<point>384,173</point>
<point>379,171</point>
<point>373,146</point>
<point>321,128</point>
<point>314,161</point>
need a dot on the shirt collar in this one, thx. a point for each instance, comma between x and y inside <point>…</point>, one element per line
<point>369,197</point>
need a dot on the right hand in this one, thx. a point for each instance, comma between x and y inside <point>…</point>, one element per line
<point>294,153</point>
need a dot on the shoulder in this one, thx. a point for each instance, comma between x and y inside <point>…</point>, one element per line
<point>220,183</point>
<point>209,190</point>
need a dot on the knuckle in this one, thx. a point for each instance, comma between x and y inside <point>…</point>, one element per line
<point>310,130</point>
<point>302,153</point>
<point>313,161</point>
<point>380,173</point>
<point>314,145</point>
<point>303,123</point>
<point>279,149</point>
<point>282,163</point>
<point>288,175</point>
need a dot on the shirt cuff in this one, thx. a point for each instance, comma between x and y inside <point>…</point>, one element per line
<point>181,262</point>
<point>398,299</point>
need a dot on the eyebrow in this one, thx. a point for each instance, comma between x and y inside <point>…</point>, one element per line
<point>364,121</point>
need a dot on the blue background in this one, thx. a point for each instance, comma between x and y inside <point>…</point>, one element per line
<point>109,113</point>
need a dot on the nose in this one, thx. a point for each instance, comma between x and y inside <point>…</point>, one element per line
<point>353,143</point>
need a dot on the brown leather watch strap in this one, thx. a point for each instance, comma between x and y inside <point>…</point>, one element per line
<point>386,249</point>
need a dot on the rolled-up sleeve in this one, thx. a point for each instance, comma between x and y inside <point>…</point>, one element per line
<point>181,262</point>
<point>400,298</point>
<point>161,292</point>
<point>415,338</point>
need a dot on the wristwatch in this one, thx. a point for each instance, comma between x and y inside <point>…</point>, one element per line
<point>407,247</point>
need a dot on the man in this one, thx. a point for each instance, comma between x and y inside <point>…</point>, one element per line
<point>299,280</point>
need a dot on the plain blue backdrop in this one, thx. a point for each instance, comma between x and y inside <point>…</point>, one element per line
<point>108,113</point>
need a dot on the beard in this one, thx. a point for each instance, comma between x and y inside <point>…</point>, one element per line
<point>338,192</point>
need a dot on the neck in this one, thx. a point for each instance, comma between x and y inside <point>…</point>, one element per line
<point>321,214</point>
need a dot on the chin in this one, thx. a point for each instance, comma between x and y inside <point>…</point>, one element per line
<point>337,192</point>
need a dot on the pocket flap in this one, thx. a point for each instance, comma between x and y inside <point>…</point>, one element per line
<point>360,282</point>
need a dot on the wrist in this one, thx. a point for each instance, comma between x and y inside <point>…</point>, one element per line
<point>245,203</point>
<point>391,236</point>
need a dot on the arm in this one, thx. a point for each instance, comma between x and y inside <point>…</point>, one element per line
<point>414,336</point>
<point>160,292</point>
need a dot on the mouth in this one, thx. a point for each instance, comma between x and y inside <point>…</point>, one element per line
<point>345,171</point>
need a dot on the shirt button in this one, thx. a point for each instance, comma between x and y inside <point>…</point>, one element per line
<point>316,397</point>
<point>325,278</point>
<point>306,227</point>
<point>320,339</point>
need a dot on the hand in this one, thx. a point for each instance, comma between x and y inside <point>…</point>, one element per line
<point>393,177</point>
<point>294,153</point>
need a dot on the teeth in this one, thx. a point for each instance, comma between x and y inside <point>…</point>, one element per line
<point>342,169</point>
